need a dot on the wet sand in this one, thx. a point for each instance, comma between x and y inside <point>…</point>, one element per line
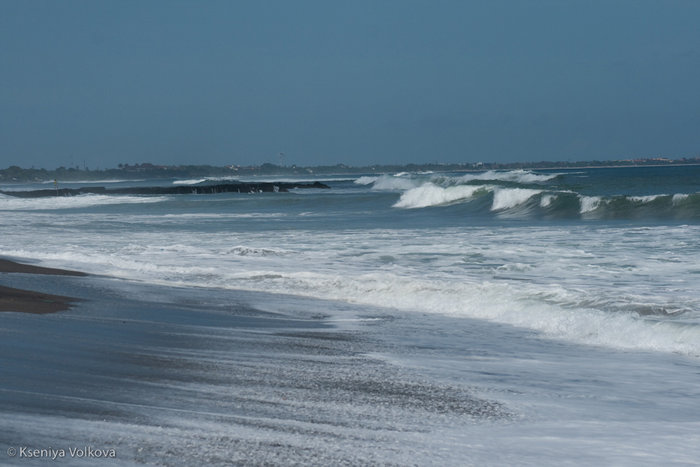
<point>185,376</point>
<point>27,301</point>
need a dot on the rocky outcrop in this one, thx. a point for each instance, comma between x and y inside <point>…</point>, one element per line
<point>237,187</point>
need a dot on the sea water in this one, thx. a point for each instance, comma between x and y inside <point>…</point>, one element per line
<point>590,277</point>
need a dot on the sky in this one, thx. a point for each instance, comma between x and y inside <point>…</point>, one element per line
<point>99,83</point>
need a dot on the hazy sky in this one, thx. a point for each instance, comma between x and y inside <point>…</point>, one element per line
<point>357,82</point>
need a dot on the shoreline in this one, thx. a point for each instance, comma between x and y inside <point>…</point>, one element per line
<point>29,301</point>
<point>247,378</point>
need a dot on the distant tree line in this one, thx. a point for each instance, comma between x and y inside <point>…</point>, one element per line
<point>147,170</point>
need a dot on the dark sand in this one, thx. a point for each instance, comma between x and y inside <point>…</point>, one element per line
<point>27,301</point>
<point>11,266</point>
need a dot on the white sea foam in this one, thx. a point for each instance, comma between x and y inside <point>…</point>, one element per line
<point>589,203</point>
<point>242,250</point>
<point>452,272</point>
<point>505,198</point>
<point>394,183</point>
<point>430,194</point>
<point>366,180</point>
<point>679,198</point>
<point>547,200</point>
<point>519,176</point>
<point>11,203</point>
<point>194,181</point>
<point>645,199</point>
<point>495,301</point>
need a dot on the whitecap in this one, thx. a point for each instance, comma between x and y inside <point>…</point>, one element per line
<point>190,182</point>
<point>644,199</point>
<point>589,203</point>
<point>393,183</point>
<point>430,194</point>
<point>679,197</point>
<point>505,198</point>
<point>366,180</point>
<point>547,200</point>
<point>519,176</point>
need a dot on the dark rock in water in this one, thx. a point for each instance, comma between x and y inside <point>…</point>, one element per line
<point>238,187</point>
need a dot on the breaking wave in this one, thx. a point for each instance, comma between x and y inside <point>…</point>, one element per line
<point>366,180</point>
<point>518,176</point>
<point>198,181</point>
<point>394,183</point>
<point>510,197</point>
<point>554,203</point>
<point>430,194</point>
<point>532,306</point>
<point>406,180</point>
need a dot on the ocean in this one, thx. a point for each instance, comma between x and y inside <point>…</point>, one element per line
<point>566,297</point>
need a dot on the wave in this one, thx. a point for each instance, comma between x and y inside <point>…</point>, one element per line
<point>518,176</point>
<point>194,181</point>
<point>589,203</point>
<point>394,183</point>
<point>679,198</point>
<point>430,194</point>
<point>659,206</point>
<point>501,302</point>
<point>645,199</point>
<point>349,266</point>
<point>505,198</point>
<point>553,203</point>
<point>10,203</point>
<point>406,181</point>
<point>547,200</point>
<point>366,180</point>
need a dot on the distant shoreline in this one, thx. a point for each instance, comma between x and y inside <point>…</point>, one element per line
<point>15,174</point>
<point>693,164</point>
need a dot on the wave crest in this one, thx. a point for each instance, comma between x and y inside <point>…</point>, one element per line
<point>506,198</point>
<point>430,194</point>
<point>518,176</point>
<point>394,183</point>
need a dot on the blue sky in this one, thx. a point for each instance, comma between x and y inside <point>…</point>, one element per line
<point>355,82</point>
